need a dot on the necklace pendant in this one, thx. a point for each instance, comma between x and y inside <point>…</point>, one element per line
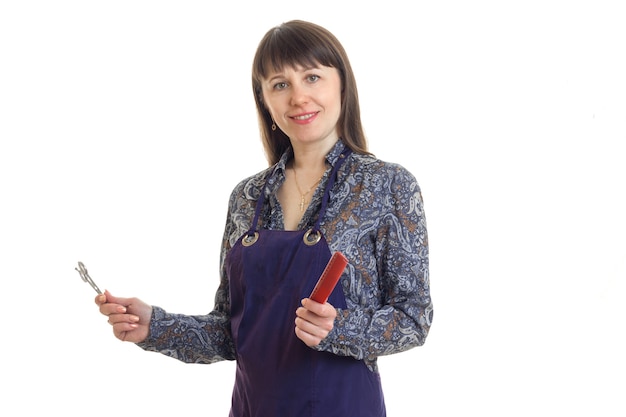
<point>301,204</point>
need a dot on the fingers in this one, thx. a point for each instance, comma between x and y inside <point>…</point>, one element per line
<point>314,321</point>
<point>120,318</point>
<point>129,317</point>
<point>310,333</point>
<point>308,339</point>
<point>100,299</point>
<point>322,310</point>
<point>129,327</point>
<point>109,298</point>
<point>105,298</point>
<point>122,324</point>
<point>109,304</point>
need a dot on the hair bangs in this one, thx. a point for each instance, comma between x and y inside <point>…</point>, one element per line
<point>286,47</point>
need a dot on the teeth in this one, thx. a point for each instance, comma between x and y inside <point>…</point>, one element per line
<point>304,117</point>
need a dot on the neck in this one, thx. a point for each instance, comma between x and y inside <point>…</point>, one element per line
<point>311,159</point>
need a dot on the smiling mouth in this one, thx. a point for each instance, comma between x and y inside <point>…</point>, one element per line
<point>304,116</point>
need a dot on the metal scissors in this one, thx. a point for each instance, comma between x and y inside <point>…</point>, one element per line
<point>85,276</point>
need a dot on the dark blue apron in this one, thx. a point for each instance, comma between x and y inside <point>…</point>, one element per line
<point>277,375</point>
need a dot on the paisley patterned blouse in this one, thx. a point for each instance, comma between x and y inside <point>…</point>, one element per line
<point>375,217</point>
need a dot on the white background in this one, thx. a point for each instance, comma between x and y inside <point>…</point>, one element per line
<point>124,126</point>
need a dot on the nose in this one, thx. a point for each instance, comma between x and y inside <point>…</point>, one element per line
<point>299,95</point>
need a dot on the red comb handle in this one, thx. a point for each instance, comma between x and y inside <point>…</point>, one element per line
<point>329,278</point>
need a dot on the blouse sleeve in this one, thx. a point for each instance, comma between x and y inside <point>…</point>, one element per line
<point>395,314</point>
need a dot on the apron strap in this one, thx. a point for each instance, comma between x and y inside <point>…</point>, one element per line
<point>252,234</point>
<point>329,186</point>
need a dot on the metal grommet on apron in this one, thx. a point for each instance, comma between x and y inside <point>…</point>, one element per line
<point>270,272</point>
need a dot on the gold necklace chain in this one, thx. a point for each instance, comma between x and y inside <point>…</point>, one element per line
<point>302,195</point>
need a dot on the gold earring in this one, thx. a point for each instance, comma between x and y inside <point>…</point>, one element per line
<point>273,126</point>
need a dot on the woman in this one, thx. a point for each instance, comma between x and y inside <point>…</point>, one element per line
<point>323,192</point>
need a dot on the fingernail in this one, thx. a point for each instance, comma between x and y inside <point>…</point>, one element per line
<point>121,309</point>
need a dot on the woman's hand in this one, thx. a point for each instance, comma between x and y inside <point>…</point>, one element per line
<point>130,317</point>
<point>314,321</point>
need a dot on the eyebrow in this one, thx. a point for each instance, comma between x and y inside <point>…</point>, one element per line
<point>299,68</point>
<point>275,77</point>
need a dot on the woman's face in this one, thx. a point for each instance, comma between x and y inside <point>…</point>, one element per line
<point>305,103</point>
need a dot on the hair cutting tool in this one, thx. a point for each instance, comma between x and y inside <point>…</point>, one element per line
<point>82,270</point>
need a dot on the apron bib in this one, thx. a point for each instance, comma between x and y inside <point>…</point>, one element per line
<point>277,375</point>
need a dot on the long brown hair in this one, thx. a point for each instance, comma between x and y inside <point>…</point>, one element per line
<point>300,43</point>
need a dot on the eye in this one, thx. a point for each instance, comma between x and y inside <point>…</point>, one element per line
<point>280,85</point>
<point>312,78</point>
